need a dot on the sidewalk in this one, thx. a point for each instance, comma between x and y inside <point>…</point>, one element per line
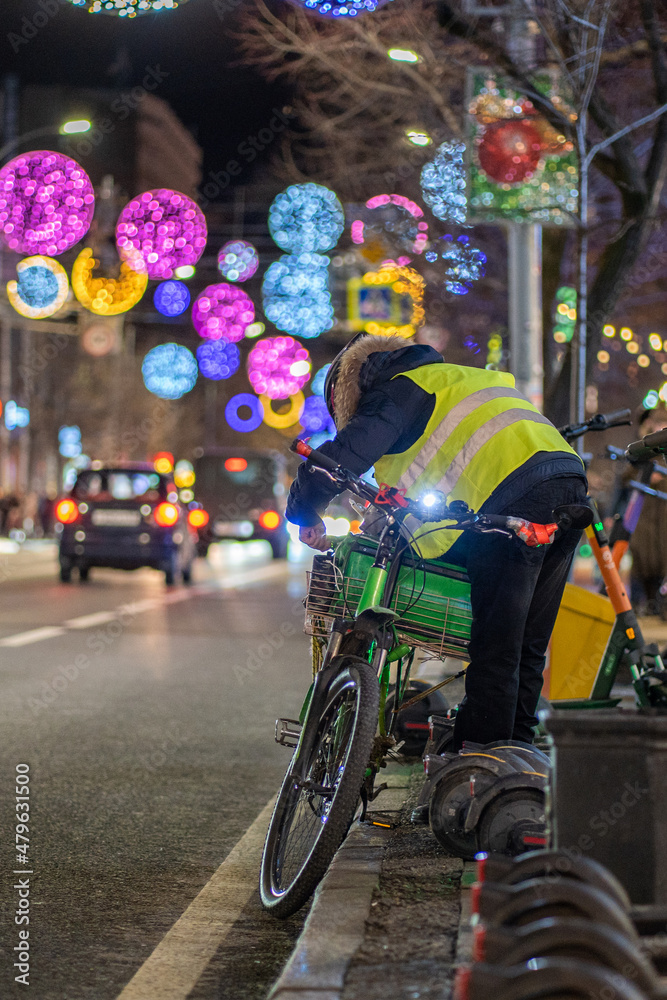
<point>32,558</point>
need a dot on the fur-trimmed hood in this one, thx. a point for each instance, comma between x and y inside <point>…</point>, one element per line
<point>372,357</point>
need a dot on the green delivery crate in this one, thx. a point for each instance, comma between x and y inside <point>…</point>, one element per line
<point>432,598</point>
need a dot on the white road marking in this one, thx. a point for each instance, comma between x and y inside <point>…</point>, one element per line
<point>244,578</point>
<point>89,621</point>
<point>34,635</point>
<point>176,965</point>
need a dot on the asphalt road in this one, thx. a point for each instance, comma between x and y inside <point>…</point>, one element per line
<point>145,716</point>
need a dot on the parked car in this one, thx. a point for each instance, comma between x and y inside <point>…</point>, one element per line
<point>124,518</point>
<point>243,491</point>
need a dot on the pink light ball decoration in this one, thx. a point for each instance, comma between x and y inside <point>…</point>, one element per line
<point>238,260</point>
<point>414,235</point>
<point>278,367</point>
<point>46,203</point>
<point>160,231</point>
<point>222,312</point>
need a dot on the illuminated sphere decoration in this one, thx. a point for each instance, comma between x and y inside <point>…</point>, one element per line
<point>159,231</point>
<point>443,183</point>
<point>169,371</point>
<point>40,289</point>
<point>403,281</point>
<point>106,296</point>
<point>465,264</point>
<point>306,217</point>
<point>127,8</point>
<point>218,359</point>
<point>171,298</point>
<point>278,367</point>
<point>222,312</point>
<point>238,260</point>
<point>395,216</point>
<point>340,11</point>
<point>315,417</point>
<point>317,385</point>
<point>296,294</point>
<point>46,203</point>
<point>510,151</point>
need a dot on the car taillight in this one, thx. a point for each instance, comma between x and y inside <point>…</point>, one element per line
<point>67,512</point>
<point>166,515</point>
<point>269,519</point>
<point>198,518</point>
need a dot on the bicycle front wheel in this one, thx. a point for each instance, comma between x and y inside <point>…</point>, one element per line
<point>315,807</point>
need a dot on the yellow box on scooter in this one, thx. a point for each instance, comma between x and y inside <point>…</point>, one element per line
<point>579,639</point>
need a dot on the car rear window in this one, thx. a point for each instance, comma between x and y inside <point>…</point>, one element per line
<point>107,484</point>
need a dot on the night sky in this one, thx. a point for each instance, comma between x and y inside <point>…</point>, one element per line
<point>222,104</point>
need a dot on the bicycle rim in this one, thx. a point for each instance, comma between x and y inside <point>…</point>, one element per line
<point>312,814</point>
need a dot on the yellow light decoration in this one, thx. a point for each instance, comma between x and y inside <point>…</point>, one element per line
<point>50,305</point>
<point>632,347</point>
<point>626,333</point>
<point>559,337</point>
<point>662,392</point>
<point>404,281</point>
<point>643,361</point>
<point>663,369</point>
<point>106,296</point>
<point>603,357</point>
<point>609,330</point>
<point>655,341</point>
<point>282,420</point>
<point>563,309</point>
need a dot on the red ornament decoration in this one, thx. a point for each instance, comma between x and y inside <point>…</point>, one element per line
<point>510,151</point>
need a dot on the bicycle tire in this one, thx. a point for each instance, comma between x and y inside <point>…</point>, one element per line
<point>291,867</point>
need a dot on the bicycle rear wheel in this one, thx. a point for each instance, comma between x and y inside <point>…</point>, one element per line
<point>312,814</point>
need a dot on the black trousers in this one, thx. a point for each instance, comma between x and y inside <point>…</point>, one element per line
<point>515,593</point>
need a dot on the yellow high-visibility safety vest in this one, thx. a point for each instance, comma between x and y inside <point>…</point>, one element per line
<point>480,431</point>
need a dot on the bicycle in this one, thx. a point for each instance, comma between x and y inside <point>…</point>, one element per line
<point>367,608</point>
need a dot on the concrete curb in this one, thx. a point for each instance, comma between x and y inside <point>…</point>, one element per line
<point>334,928</point>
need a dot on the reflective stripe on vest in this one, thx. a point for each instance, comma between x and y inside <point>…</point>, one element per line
<point>482,437</point>
<point>449,424</point>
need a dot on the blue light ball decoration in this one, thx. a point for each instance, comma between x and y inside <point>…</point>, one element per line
<point>443,183</point>
<point>340,11</point>
<point>171,298</point>
<point>244,424</point>
<point>218,359</point>
<point>317,384</point>
<point>465,264</point>
<point>306,217</point>
<point>238,260</point>
<point>315,418</point>
<point>169,371</point>
<point>295,291</point>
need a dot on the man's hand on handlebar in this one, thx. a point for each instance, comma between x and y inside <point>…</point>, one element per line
<point>315,537</point>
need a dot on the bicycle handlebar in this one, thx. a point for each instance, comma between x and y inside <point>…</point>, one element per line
<point>652,444</point>
<point>599,422</point>
<point>392,501</point>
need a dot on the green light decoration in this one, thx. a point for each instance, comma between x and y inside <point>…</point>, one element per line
<point>519,166</point>
<point>585,551</point>
<point>598,526</point>
<point>565,314</point>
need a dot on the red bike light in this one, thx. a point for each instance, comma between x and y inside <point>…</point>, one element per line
<point>462,983</point>
<point>67,512</point>
<point>166,515</point>
<point>269,519</point>
<point>198,518</point>
<point>236,465</point>
<point>479,943</point>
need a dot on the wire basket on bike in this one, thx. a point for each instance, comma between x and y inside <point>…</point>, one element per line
<point>432,598</point>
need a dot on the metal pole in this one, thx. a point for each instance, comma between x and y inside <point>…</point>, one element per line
<point>578,373</point>
<point>525,308</point>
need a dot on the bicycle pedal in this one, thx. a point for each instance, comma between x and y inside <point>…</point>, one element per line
<point>288,732</point>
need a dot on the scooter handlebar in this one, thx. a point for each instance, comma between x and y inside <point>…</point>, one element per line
<point>652,444</point>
